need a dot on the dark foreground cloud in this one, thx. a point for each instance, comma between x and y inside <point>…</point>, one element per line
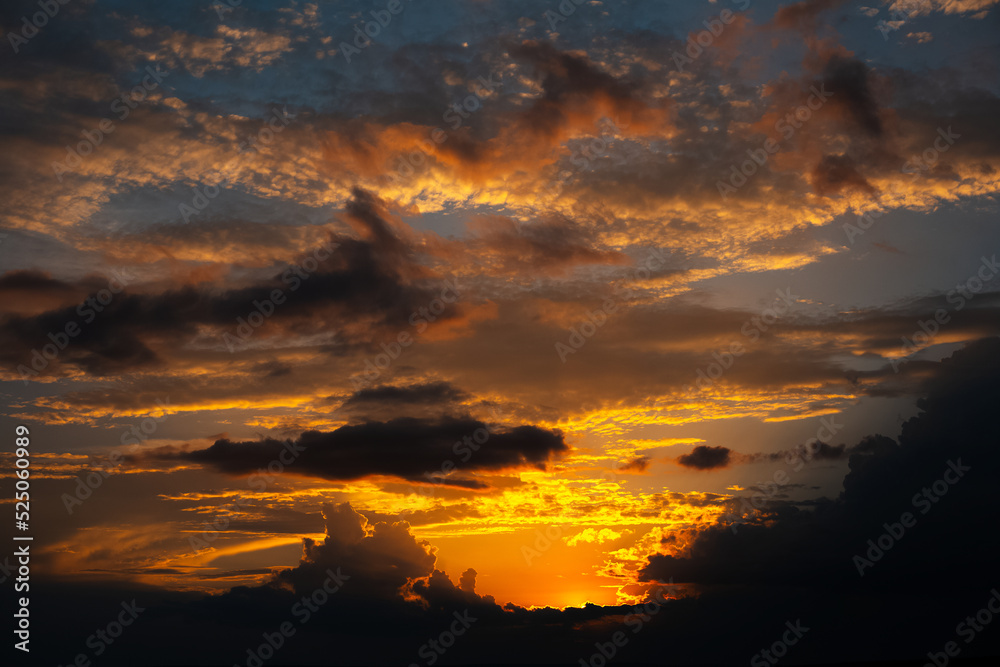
<point>369,593</point>
<point>941,471</point>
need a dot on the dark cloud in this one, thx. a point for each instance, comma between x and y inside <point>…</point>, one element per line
<point>376,279</point>
<point>850,82</point>
<point>819,451</point>
<point>31,292</point>
<point>410,448</point>
<point>567,79</point>
<point>553,246</point>
<point>637,464</point>
<point>835,173</point>
<point>705,457</point>
<point>428,400</point>
<point>34,280</point>
<point>417,395</point>
<point>565,74</point>
<point>272,369</point>
<point>782,543</point>
<point>830,452</point>
<point>391,600</point>
<point>380,558</point>
<point>468,581</point>
<point>803,15</point>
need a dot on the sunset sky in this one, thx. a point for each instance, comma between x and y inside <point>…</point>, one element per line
<point>504,306</point>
